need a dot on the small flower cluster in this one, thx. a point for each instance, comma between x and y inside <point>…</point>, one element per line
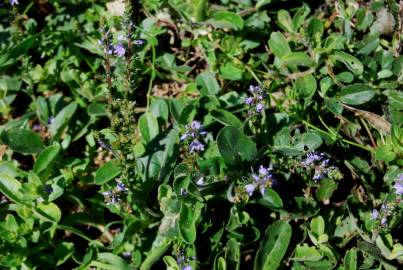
<point>183,261</point>
<point>262,180</point>
<point>194,132</point>
<point>398,186</point>
<point>113,196</point>
<point>256,101</point>
<point>383,214</point>
<point>320,164</point>
<point>117,49</point>
<point>14,2</point>
<point>388,208</point>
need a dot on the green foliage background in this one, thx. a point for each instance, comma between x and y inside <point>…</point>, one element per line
<point>98,166</point>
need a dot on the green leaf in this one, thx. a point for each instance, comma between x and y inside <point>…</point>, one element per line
<point>346,77</point>
<point>385,152</point>
<point>233,254</point>
<point>235,147</point>
<point>48,211</point>
<point>306,86</point>
<point>310,140</point>
<point>273,246</point>
<point>326,189</point>
<point>350,260</point>
<point>22,140</point>
<point>188,114</point>
<point>306,253</point>
<point>356,94</point>
<point>10,187</point>
<point>318,226</point>
<point>279,45</point>
<point>159,109</point>
<point>315,27</point>
<point>207,83</point>
<point>299,59</point>
<point>148,126</point>
<point>230,71</point>
<point>189,215</point>
<point>334,105</point>
<point>176,107</point>
<point>96,109</point>
<point>352,63</point>
<point>226,118</point>
<point>161,160</point>
<point>271,199</point>
<point>11,55</point>
<point>61,120</point>
<point>46,158</point>
<point>284,21</point>
<point>226,19</point>
<point>107,172</point>
<point>300,16</point>
<point>110,261</point>
<point>63,251</point>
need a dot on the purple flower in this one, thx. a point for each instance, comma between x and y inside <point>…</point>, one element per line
<point>398,186</point>
<point>138,42</point>
<point>313,157</point>
<point>187,267</point>
<point>254,89</point>
<point>200,182</point>
<point>107,193</point>
<point>48,189</point>
<point>119,50</point>
<point>255,177</point>
<point>318,175</point>
<point>263,171</point>
<point>196,146</point>
<point>262,180</point>
<point>374,214</point>
<point>51,120</point>
<point>100,42</point>
<point>195,125</point>
<point>121,187</point>
<point>127,255</point>
<point>248,100</point>
<point>184,136</point>
<point>249,188</point>
<point>14,2</point>
<point>384,221</point>
<point>259,107</point>
<point>194,131</point>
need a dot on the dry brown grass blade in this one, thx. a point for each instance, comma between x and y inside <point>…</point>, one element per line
<point>377,121</point>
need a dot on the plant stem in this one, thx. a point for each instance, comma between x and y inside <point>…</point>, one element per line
<point>150,84</point>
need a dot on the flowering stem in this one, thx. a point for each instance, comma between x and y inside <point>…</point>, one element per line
<point>334,137</point>
<point>128,59</point>
<point>152,76</point>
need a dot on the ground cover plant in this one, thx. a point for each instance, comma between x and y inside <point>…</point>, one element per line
<point>195,134</point>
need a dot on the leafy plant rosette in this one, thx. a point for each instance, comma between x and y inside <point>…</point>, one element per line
<point>176,136</point>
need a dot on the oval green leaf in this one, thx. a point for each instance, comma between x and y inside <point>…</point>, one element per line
<point>148,126</point>
<point>235,147</point>
<point>356,94</point>
<point>107,172</point>
<point>279,45</point>
<point>226,118</point>
<point>22,140</point>
<point>273,247</point>
<point>46,158</point>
